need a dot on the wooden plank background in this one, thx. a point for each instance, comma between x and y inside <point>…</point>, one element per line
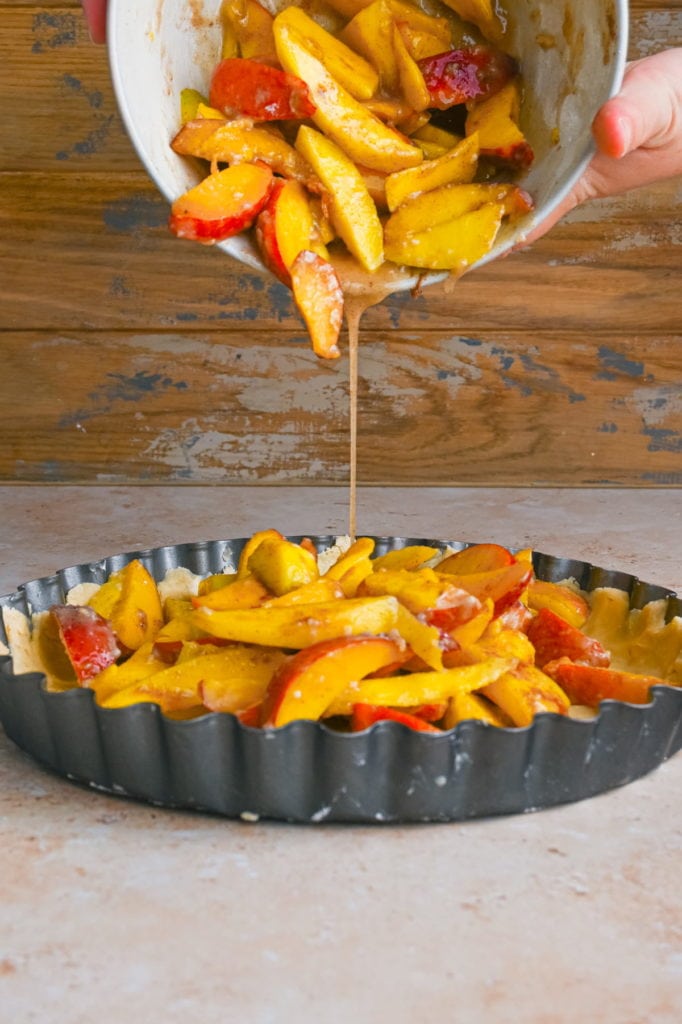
<point>128,356</point>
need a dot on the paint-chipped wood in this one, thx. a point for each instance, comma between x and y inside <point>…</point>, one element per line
<point>130,356</point>
<point>612,267</point>
<point>556,409</point>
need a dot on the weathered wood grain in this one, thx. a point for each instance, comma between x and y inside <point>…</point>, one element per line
<point>111,263</point>
<point>557,409</point>
<point>129,356</point>
<point>59,109</point>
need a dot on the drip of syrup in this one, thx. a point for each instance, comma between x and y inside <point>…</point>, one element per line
<point>361,291</point>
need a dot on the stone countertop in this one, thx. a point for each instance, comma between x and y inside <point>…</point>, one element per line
<point>112,908</point>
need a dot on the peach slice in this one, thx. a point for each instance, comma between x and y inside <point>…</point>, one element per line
<point>525,692</point>
<point>88,639</point>
<point>591,684</point>
<point>361,135</point>
<point>223,204</point>
<point>516,616</point>
<point>438,136</point>
<point>503,586</point>
<point>429,712</point>
<point>359,550</point>
<point>229,43</point>
<point>250,546</point>
<point>438,601</point>
<point>170,638</point>
<point>416,688</point>
<point>422,638</point>
<point>323,226</point>
<point>308,682</point>
<point>375,183</point>
<point>236,143</point>
<point>282,566</point>
<point>247,88</point>
<point>249,716</point>
<point>130,601</point>
<point>478,558</point>
<point>463,75</point>
<point>144,662</point>
<point>177,607</point>
<point>190,99</point>
<point>239,687</point>
<point>286,227</point>
<point>466,706</point>
<point>479,12</point>
<point>353,212</point>
<point>365,715</point>
<point>370,33</point>
<point>403,11</point>
<point>209,113</point>
<point>352,71</point>
<point>353,578</point>
<point>216,581</point>
<point>421,43</point>
<point>249,25</point>
<point>453,245</point>
<point>448,203</point>
<point>418,589</point>
<point>408,13</point>
<point>347,8</point>
<point>431,150</point>
<point>432,207</point>
<point>319,298</point>
<point>353,567</point>
<point>412,84</point>
<point>394,113</point>
<point>134,694</point>
<point>299,626</point>
<point>562,600</point>
<point>553,638</point>
<point>240,593</point>
<point>411,557</point>
<point>243,671</point>
<point>309,593</point>
<point>496,121</point>
<point>472,630</point>
<point>447,617</point>
<point>456,166</point>
<point>501,642</point>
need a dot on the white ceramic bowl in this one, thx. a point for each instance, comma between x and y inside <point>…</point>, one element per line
<point>158,47</point>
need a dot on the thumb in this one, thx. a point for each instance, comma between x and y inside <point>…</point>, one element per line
<point>647,112</point>
<point>96,16</point>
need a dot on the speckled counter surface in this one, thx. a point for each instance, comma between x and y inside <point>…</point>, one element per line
<point>112,910</point>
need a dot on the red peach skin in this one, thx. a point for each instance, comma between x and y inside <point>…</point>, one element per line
<point>223,204</point>
<point>246,88</point>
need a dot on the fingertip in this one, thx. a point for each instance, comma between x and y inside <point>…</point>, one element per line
<point>612,131</point>
<point>96,18</point>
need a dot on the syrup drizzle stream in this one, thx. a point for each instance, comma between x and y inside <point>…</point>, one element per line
<point>353,333</point>
<point>362,290</point>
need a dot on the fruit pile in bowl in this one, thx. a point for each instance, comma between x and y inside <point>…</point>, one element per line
<point>389,135</point>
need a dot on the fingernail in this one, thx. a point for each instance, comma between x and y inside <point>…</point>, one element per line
<point>624,137</point>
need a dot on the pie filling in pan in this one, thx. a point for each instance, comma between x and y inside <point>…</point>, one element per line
<point>308,772</point>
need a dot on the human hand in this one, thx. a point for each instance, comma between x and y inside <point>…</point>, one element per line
<point>96,16</point>
<point>638,135</point>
